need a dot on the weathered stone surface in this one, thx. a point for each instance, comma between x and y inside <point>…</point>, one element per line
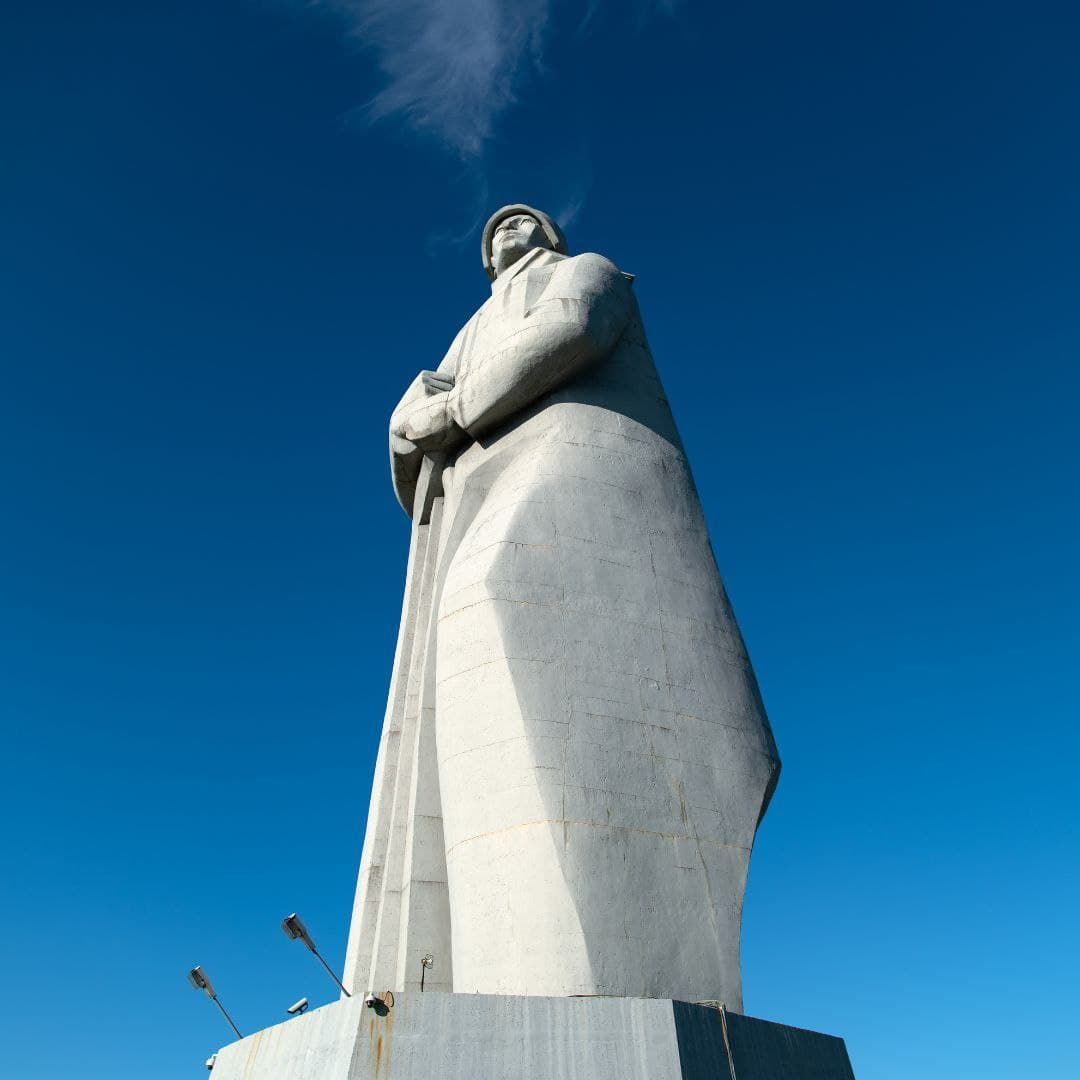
<point>518,1038</point>
<point>575,755</point>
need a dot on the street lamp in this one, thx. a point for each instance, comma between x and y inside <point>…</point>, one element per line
<point>295,930</point>
<point>197,978</point>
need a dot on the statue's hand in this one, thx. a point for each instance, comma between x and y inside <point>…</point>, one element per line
<point>420,424</point>
<point>402,448</point>
<point>426,423</point>
<point>436,383</point>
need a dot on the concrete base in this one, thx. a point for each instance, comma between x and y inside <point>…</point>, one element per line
<point>480,1037</point>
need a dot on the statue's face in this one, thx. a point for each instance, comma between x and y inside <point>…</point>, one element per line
<point>513,237</point>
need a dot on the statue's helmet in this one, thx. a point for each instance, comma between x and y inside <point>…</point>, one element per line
<point>550,229</point>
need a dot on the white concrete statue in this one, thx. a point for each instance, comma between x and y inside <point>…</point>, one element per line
<point>575,756</point>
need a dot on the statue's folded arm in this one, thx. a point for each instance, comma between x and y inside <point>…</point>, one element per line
<point>577,321</point>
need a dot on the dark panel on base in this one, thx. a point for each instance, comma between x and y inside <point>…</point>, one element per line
<point>754,1049</point>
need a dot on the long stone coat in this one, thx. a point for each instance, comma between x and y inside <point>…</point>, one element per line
<point>575,756</point>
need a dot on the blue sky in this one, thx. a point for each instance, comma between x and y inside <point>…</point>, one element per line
<point>232,231</point>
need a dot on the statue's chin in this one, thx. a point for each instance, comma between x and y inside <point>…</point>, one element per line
<point>510,255</point>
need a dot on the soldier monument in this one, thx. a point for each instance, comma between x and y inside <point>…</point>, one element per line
<point>575,756</point>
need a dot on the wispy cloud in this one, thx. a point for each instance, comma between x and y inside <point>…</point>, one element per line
<point>451,67</point>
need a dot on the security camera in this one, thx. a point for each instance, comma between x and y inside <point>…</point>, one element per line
<point>297,1007</point>
<point>211,1061</point>
<point>370,1000</point>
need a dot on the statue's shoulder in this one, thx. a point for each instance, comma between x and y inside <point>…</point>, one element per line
<point>591,262</point>
<point>596,270</point>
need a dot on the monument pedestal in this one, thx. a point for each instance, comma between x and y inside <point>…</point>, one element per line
<point>482,1037</point>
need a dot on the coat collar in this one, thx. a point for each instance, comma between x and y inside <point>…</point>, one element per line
<point>536,257</point>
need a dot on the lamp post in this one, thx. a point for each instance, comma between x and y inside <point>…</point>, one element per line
<point>197,978</point>
<point>295,930</point>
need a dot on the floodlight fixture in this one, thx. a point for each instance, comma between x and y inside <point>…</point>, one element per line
<point>295,930</point>
<point>198,979</point>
